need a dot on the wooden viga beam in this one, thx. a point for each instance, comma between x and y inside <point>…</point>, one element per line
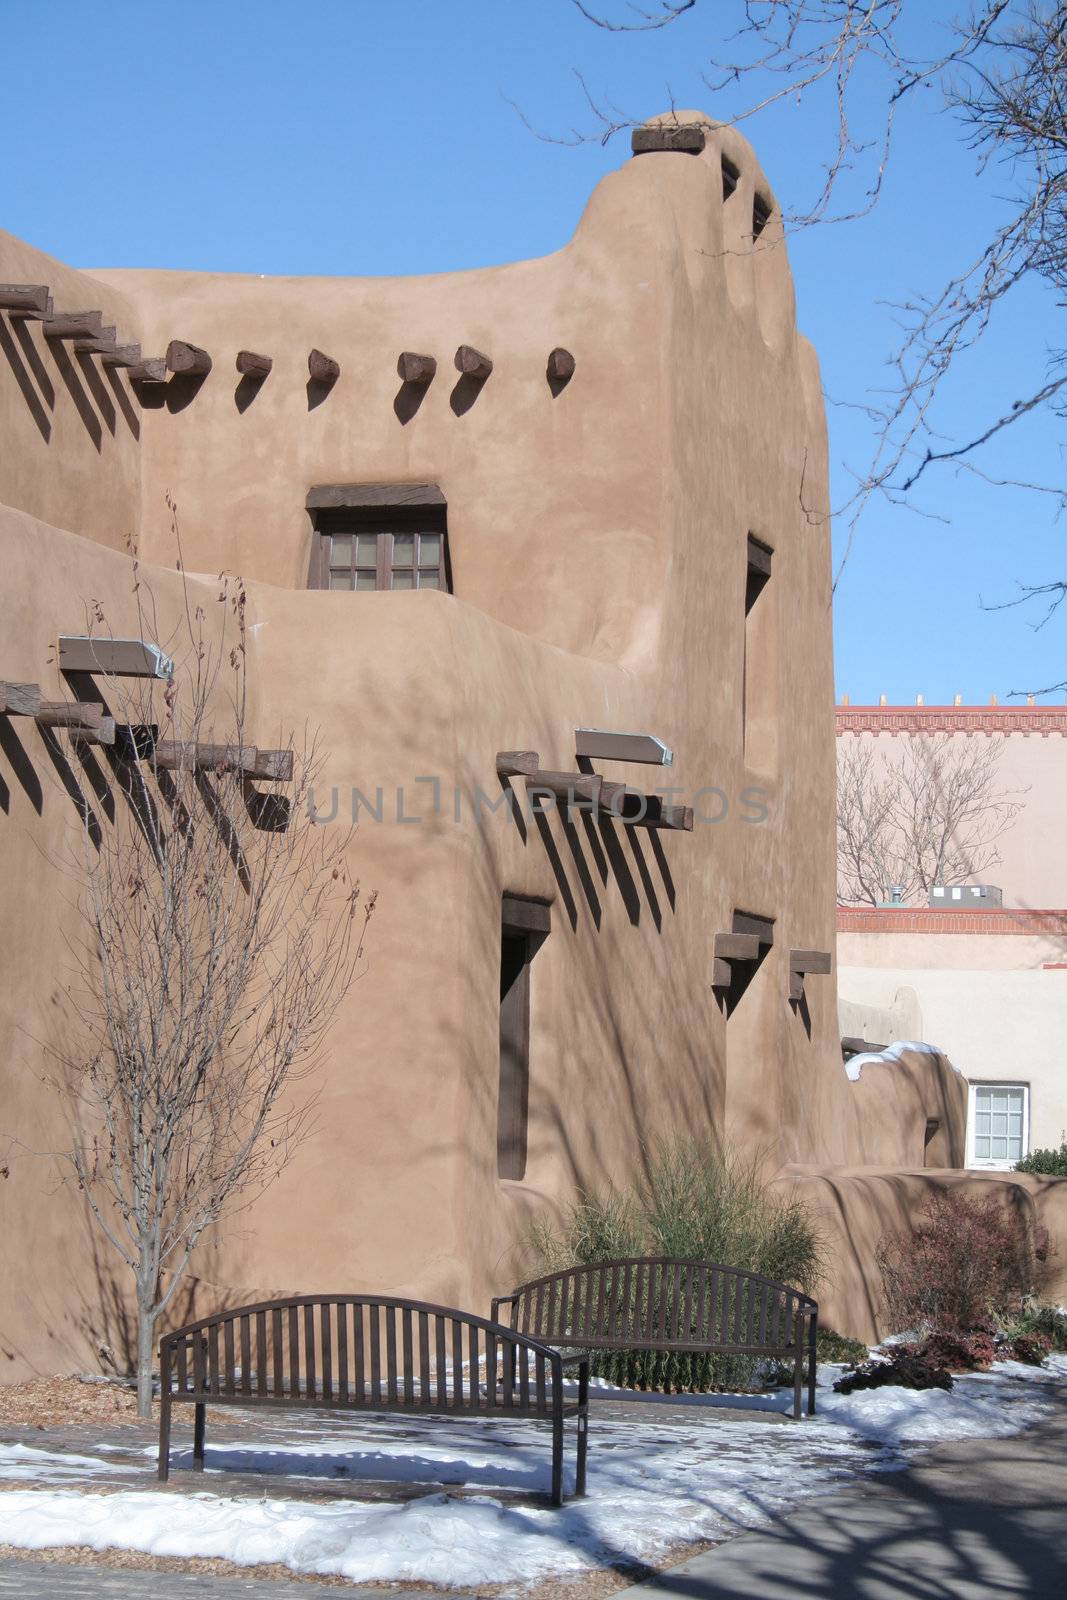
<point>73,325</point>
<point>323,368</point>
<point>26,700</point>
<point>803,962</point>
<point>472,363</point>
<point>188,360</point>
<point>413,368</point>
<point>103,733</point>
<point>249,761</point>
<point>26,299</point>
<point>517,763</point>
<point>252,365</point>
<point>151,370</point>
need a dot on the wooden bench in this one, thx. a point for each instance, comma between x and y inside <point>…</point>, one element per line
<point>366,1353</point>
<point>672,1305</point>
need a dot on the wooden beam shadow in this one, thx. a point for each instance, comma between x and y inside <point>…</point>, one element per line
<point>95,384</point>
<point>182,390</point>
<point>68,778</point>
<point>76,389</point>
<point>32,356</point>
<point>800,1009</point>
<point>465,392</point>
<point>247,390</point>
<point>664,866</point>
<point>558,872</point>
<point>21,765</point>
<point>122,399</point>
<point>408,399</point>
<point>585,877</point>
<point>646,877</point>
<point>25,383</point>
<point>619,869</point>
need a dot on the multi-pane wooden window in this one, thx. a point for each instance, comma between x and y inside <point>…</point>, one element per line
<point>383,558</point>
<point>378,536</point>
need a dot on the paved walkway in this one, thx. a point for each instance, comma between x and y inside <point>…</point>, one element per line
<point>978,1520</point>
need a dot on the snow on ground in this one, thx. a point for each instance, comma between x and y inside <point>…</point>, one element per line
<point>653,1484</point>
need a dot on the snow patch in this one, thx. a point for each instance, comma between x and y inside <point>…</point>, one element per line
<point>892,1052</point>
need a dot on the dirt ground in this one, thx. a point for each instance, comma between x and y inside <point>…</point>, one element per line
<point>52,1402</point>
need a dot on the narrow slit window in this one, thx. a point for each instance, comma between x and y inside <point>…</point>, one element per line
<point>524,926</point>
<point>761,214</point>
<point>730,177</point>
<point>759,667</point>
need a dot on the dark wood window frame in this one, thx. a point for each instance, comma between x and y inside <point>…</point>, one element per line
<point>524,926</point>
<point>376,534</point>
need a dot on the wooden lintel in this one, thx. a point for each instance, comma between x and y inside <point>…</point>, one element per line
<point>413,368</point>
<point>104,340</point>
<point>685,136</point>
<point>252,763</point>
<point>736,947</point>
<point>722,973</point>
<point>570,787</point>
<point>20,699</point>
<point>517,763</point>
<point>322,368</point>
<point>796,986</point>
<point>520,915</point>
<point>121,355</point>
<point>251,365</point>
<point>187,359</point>
<point>102,733</point>
<point>369,496</point>
<point>561,364</point>
<point>69,714</point>
<point>151,370</point>
<point>812,961</point>
<point>30,298</point>
<point>600,744</point>
<point>73,325</point>
<point>472,363</point>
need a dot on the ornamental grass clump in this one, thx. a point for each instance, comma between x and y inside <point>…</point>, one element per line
<point>699,1204</point>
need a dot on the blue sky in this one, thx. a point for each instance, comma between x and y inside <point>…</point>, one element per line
<point>380,136</point>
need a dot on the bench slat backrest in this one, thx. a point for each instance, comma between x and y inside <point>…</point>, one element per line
<point>659,1303</point>
<point>360,1351</point>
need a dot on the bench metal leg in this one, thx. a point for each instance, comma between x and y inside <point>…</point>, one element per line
<point>199,1430</point>
<point>557,1444</point>
<point>813,1330</point>
<point>164,1437</point>
<point>583,1426</point>
<point>798,1377</point>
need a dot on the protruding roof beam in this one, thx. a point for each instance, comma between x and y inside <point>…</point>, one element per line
<point>102,733</point>
<point>322,368</point>
<point>26,700</point>
<point>685,136</point>
<point>561,364</point>
<point>517,763</point>
<point>121,355</point>
<point>246,759</point>
<point>251,365</point>
<point>413,368</point>
<point>570,787</point>
<point>152,370</point>
<point>472,363</point>
<point>188,360</point>
<point>73,325</point>
<point>28,299</point>
<point>98,343</point>
<point>598,744</point>
<point>813,961</point>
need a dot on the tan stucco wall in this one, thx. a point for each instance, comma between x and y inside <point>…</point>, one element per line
<point>599,547</point>
<point>69,428</point>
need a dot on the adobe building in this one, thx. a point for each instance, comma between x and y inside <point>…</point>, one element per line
<point>981,969</point>
<point>475,514</point>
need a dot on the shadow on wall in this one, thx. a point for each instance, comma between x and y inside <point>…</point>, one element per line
<point>98,395</point>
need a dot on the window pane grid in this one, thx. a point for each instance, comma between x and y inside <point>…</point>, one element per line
<point>383,559</point>
<point>999,1115</point>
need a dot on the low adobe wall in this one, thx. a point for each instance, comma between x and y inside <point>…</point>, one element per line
<point>856,1206</point>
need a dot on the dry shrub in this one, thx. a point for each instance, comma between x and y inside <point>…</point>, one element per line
<point>967,1259</point>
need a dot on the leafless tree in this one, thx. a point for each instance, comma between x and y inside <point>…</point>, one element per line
<point>221,932</point>
<point>1002,73</point>
<point>925,810</point>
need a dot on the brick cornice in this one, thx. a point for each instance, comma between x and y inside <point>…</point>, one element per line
<point>923,919</point>
<point>1043,720</point>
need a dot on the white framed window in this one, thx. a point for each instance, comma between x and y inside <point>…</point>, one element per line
<point>998,1124</point>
